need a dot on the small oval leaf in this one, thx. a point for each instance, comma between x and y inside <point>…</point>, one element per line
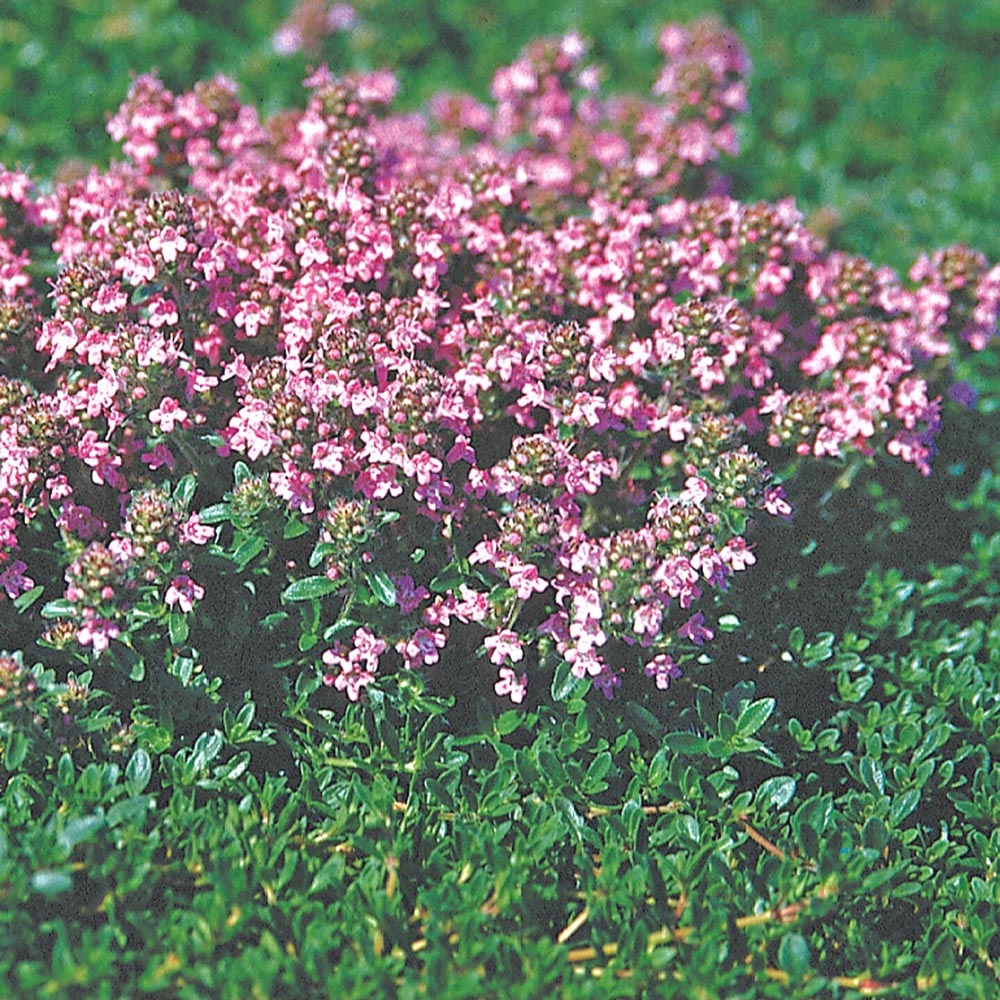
<point>51,883</point>
<point>309,587</point>
<point>382,587</point>
<point>793,956</point>
<point>138,772</point>
<point>754,716</point>
<point>776,793</point>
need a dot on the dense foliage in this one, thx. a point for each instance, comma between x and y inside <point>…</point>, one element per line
<point>346,451</point>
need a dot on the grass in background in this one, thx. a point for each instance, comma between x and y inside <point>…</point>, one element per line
<point>880,118</point>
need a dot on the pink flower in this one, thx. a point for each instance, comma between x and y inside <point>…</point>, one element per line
<point>422,648</point>
<point>646,622</point>
<point>696,491</point>
<point>679,578</point>
<point>168,414</point>
<point>358,668</point>
<point>311,250</point>
<point>474,606</point>
<point>504,645</point>
<point>511,685</point>
<point>162,312</point>
<point>183,592</point>
<point>97,455</point>
<point>738,554</point>
<point>775,502</point>
<point>252,430</point>
<point>193,532</point>
<point>525,580</point>
<point>168,243</point>
<point>294,486</point>
<point>97,633</point>
<point>251,316</point>
<point>136,266</point>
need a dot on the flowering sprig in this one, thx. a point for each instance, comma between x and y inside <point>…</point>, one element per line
<point>499,378</point>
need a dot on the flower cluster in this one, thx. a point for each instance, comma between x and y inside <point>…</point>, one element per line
<point>494,372</point>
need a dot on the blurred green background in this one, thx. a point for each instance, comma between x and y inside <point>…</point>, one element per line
<point>881,117</point>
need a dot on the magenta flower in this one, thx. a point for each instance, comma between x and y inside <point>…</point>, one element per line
<point>183,592</point>
<point>160,457</point>
<point>694,629</point>
<point>408,596</point>
<point>663,670</point>
<point>13,579</point>
<point>193,532</point>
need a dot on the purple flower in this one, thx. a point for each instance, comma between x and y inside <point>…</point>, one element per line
<point>694,629</point>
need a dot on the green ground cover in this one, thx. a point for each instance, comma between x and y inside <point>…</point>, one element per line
<point>814,813</point>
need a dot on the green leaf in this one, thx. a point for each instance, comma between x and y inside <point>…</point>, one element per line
<point>659,768</point>
<point>59,608</point>
<point>754,716</point>
<point>874,835</point>
<point>65,771</point>
<point>903,805</point>
<point>51,883</point>
<point>508,721</point>
<point>382,587</point>
<point>25,600</point>
<point>138,771</point>
<point>593,781</point>
<point>449,579</point>
<point>184,490</point>
<point>78,830</point>
<point>796,639</point>
<point>178,627</point>
<point>294,529</point>
<point>632,816</point>
<point>777,792</point>
<point>644,719</point>
<point>689,743</point>
<point>16,750</point>
<point>564,682</point>
<point>216,513</point>
<point>308,588</point>
<point>206,748</point>
<point>131,810</point>
<point>439,792</point>
<point>729,623</point>
<point>342,625</point>
<point>793,956</point>
<point>248,550</point>
<point>872,775</point>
